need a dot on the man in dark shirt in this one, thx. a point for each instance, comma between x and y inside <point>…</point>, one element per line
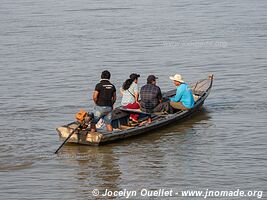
<point>104,97</point>
<point>151,97</point>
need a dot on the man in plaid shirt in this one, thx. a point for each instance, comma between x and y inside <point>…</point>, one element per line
<point>151,97</point>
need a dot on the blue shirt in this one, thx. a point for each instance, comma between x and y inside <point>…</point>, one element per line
<point>184,94</point>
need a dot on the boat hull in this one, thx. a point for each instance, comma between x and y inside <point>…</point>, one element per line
<point>201,88</point>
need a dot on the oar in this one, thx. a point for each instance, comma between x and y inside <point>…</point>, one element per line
<point>80,125</point>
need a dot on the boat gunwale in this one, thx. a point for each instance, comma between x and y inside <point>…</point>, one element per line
<point>161,121</point>
<point>168,119</point>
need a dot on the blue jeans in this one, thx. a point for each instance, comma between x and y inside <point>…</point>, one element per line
<point>104,112</point>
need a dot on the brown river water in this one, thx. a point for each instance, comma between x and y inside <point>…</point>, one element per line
<point>51,56</point>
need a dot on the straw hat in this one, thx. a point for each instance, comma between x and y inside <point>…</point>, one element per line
<point>177,77</point>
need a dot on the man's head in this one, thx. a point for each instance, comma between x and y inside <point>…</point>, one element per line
<point>176,83</point>
<point>134,77</point>
<point>177,79</point>
<point>105,75</point>
<point>151,79</point>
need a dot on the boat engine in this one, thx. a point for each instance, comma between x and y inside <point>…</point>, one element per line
<point>84,118</point>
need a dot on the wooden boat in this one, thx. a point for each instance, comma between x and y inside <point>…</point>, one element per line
<point>120,119</point>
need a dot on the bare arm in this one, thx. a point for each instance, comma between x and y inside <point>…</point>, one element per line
<point>136,95</point>
<point>95,96</point>
<point>121,91</point>
<point>114,98</point>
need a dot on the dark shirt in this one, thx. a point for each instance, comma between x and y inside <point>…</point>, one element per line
<point>106,91</point>
<point>150,96</point>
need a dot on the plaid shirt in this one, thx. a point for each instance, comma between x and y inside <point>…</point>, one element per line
<point>150,96</point>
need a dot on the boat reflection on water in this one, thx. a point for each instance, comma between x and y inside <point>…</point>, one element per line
<point>182,129</point>
<point>103,167</point>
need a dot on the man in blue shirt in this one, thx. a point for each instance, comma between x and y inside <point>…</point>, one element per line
<point>183,99</point>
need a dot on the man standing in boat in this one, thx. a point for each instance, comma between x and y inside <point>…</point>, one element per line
<point>104,97</point>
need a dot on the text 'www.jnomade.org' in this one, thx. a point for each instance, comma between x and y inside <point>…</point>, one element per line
<point>182,193</point>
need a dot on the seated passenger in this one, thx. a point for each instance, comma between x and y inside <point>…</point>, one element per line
<point>183,99</point>
<point>130,95</point>
<point>151,97</point>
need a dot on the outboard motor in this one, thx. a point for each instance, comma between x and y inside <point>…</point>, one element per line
<point>84,118</point>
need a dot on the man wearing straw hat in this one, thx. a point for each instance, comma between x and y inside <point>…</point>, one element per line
<point>183,99</point>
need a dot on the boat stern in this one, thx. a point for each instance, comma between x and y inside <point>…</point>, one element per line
<point>83,137</point>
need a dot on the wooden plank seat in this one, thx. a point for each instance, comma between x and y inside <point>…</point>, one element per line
<point>132,110</point>
<point>139,111</point>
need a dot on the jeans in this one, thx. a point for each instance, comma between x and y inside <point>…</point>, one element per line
<point>104,112</point>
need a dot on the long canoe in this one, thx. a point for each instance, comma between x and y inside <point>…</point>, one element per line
<point>120,119</point>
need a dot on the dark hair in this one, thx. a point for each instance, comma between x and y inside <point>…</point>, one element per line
<point>151,78</point>
<point>105,75</point>
<point>126,85</point>
<point>134,76</point>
